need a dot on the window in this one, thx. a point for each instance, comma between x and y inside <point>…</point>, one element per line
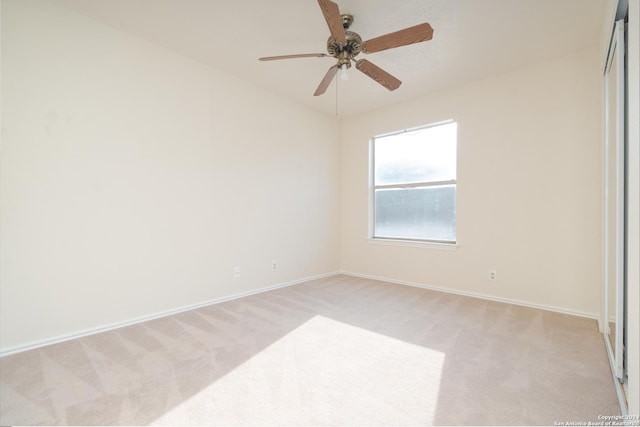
<point>413,191</point>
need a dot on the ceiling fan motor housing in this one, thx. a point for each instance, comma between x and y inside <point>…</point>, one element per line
<point>345,52</point>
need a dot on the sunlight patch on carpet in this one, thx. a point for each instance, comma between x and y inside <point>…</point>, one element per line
<point>323,372</point>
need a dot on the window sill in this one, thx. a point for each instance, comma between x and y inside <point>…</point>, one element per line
<point>413,243</point>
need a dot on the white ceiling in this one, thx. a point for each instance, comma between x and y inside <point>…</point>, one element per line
<point>472,39</point>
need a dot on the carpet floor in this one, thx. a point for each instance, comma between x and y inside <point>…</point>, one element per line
<point>335,351</point>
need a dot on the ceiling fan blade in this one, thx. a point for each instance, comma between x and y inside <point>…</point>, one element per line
<point>416,34</point>
<point>331,13</point>
<point>300,55</point>
<point>378,74</point>
<point>326,81</point>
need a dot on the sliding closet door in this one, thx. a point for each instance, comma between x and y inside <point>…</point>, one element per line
<point>614,218</point>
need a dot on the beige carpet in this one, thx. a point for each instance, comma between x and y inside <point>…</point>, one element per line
<point>336,351</point>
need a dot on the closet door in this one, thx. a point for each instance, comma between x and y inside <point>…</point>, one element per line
<point>614,218</point>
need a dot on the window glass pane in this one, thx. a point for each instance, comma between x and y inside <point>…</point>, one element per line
<point>418,156</point>
<point>417,213</point>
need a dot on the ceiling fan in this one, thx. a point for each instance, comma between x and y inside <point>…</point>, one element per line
<point>345,45</point>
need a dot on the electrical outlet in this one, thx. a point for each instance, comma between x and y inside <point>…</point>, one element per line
<point>274,266</point>
<point>493,275</point>
<point>236,272</point>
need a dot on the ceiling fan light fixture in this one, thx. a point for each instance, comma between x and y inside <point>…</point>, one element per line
<point>343,72</point>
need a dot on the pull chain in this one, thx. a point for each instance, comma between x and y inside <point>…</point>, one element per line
<point>337,97</point>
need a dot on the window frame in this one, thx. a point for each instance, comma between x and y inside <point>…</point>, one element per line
<point>407,241</point>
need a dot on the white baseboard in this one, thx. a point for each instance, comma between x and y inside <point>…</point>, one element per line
<point>476,295</point>
<point>117,325</point>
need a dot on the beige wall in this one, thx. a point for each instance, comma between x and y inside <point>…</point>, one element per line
<point>528,188</point>
<point>134,179</point>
